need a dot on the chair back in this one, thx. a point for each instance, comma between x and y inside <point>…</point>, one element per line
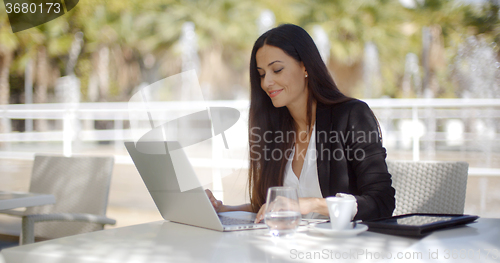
<point>429,186</point>
<point>80,184</point>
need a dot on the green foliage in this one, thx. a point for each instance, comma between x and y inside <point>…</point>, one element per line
<point>485,20</point>
<point>140,28</point>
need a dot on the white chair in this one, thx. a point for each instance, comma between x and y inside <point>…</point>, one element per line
<point>429,186</point>
<point>80,186</point>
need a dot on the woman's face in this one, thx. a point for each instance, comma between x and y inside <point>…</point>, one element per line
<point>281,77</point>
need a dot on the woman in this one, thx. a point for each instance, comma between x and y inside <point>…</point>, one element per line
<point>305,133</point>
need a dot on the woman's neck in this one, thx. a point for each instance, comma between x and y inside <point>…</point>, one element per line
<point>299,115</point>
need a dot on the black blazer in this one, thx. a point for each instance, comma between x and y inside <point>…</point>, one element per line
<point>351,158</point>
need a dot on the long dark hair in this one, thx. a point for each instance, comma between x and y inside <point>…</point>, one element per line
<point>264,117</point>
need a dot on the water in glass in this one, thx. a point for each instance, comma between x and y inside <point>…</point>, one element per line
<point>282,215</point>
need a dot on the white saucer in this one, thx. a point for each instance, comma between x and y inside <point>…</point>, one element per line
<point>325,229</point>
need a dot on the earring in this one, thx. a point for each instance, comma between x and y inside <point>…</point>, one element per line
<point>306,75</point>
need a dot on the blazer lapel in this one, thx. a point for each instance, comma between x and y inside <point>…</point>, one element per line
<point>323,128</point>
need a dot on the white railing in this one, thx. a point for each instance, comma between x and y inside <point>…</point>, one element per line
<point>414,112</point>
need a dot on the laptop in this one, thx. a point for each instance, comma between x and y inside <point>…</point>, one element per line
<point>191,207</point>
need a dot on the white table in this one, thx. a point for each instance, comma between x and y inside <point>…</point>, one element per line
<point>11,200</point>
<point>165,241</point>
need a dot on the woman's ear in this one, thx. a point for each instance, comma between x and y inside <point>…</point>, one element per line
<point>304,68</point>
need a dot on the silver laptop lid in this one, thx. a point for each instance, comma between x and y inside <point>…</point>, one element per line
<point>156,168</point>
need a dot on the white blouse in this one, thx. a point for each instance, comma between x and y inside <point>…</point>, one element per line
<point>308,183</point>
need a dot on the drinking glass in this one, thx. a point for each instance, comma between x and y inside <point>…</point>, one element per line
<point>282,214</point>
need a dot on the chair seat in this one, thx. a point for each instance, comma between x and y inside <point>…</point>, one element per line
<point>13,212</point>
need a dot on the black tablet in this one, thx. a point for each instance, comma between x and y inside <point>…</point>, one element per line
<point>417,225</point>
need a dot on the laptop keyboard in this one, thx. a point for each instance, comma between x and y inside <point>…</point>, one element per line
<point>234,221</point>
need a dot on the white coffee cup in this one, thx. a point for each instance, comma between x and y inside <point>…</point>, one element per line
<point>340,209</point>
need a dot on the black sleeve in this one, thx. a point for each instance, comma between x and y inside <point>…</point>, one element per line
<point>366,158</point>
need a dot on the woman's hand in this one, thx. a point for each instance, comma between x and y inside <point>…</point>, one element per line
<point>217,204</point>
<point>260,214</point>
<point>281,203</point>
<point>306,204</point>
<point>220,207</point>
